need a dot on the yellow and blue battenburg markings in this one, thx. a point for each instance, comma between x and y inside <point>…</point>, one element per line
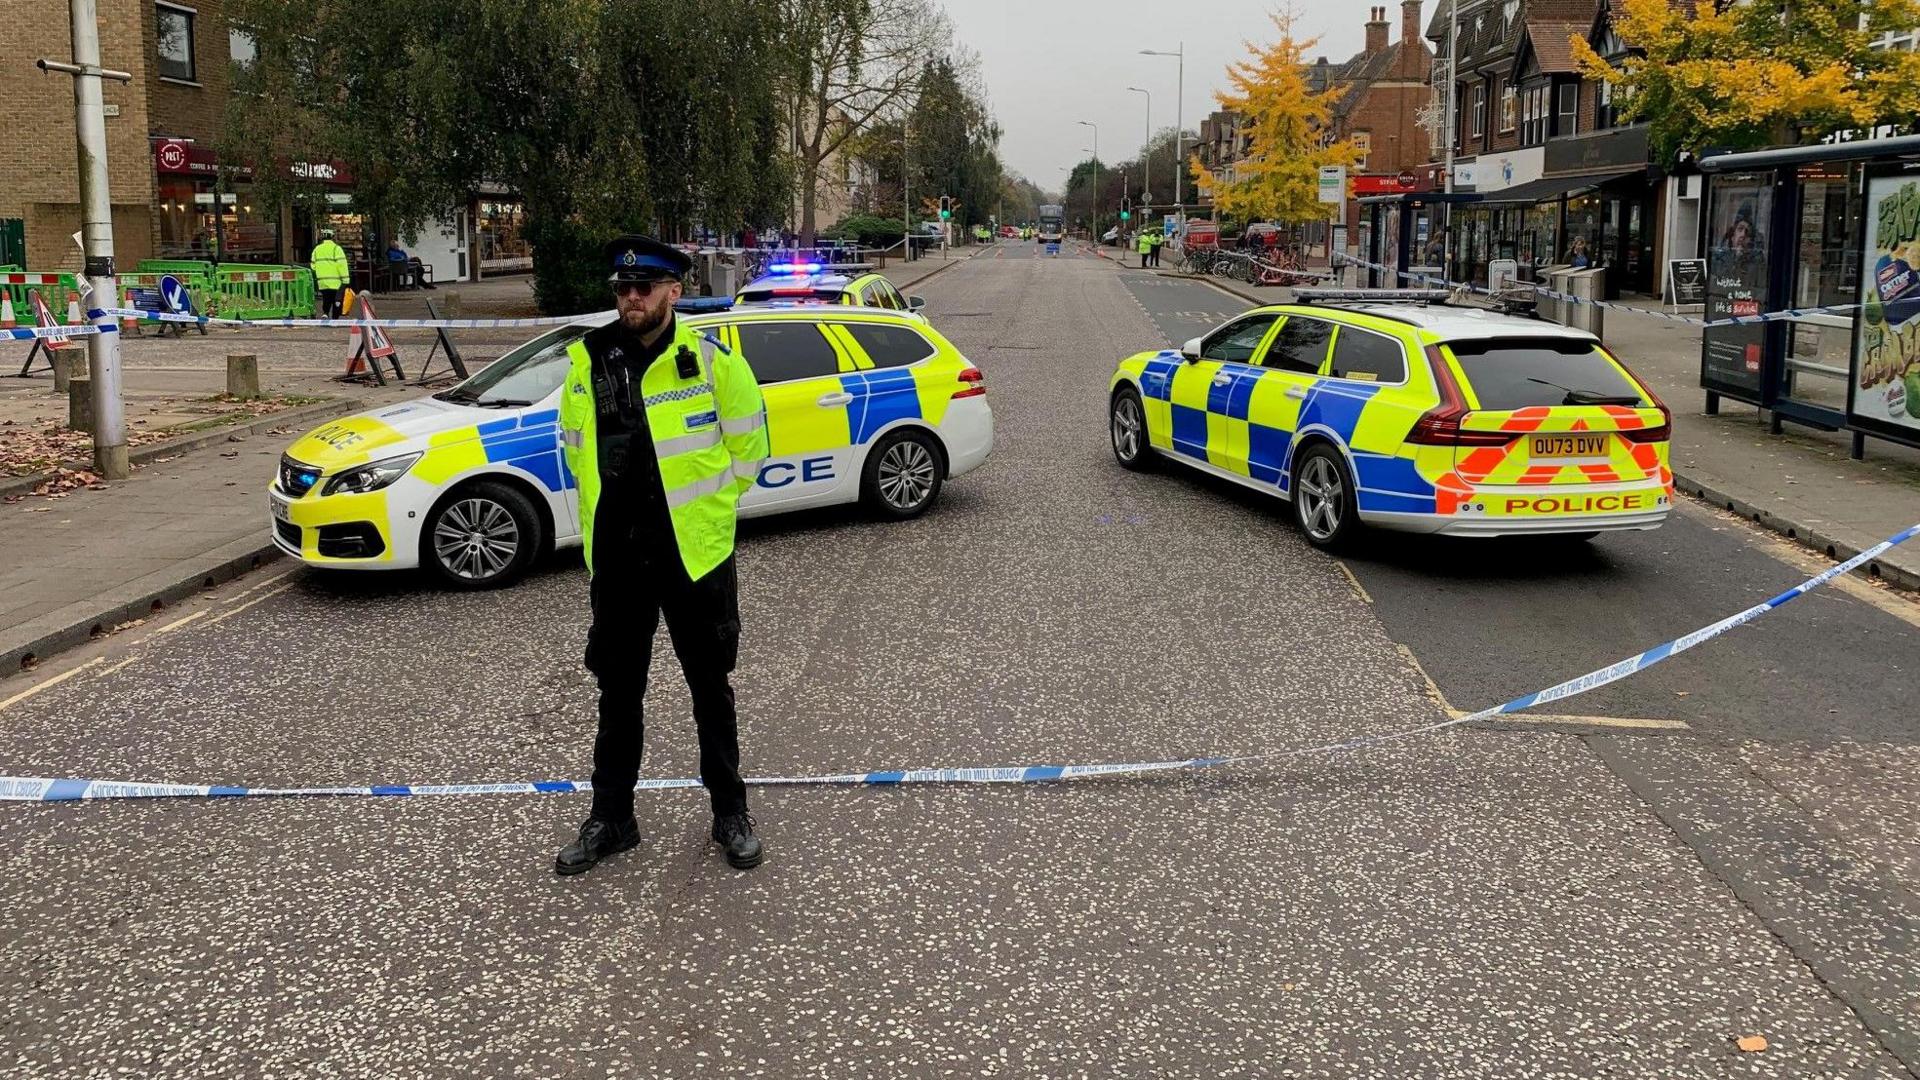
<point>531,443</point>
<point>1248,426</point>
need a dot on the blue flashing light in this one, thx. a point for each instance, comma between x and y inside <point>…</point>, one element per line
<point>795,268</point>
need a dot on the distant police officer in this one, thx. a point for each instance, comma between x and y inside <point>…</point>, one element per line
<point>664,430</point>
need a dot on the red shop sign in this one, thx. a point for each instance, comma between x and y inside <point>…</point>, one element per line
<point>178,156</point>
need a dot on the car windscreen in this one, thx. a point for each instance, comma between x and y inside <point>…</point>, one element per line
<point>1516,373</point>
<point>791,293</point>
<point>523,376</point>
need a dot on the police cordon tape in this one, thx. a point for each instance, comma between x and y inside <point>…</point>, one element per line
<point>292,323</point>
<point>52,789</point>
<point>1435,281</point>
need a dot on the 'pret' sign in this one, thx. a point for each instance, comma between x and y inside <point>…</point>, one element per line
<point>172,155</point>
<point>180,156</point>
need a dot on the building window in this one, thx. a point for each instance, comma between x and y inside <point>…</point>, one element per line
<point>1566,120</point>
<point>1479,114</point>
<point>1533,120</point>
<point>1509,107</point>
<point>1606,111</point>
<point>174,26</point>
<point>1363,145</point>
<point>243,48</point>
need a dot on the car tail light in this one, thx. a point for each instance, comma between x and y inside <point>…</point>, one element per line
<point>1660,433</point>
<point>1440,426</point>
<point>976,383</point>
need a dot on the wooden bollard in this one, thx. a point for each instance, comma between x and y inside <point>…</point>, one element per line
<point>65,363</point>
<point>243,376</point>
<point>79,403</point>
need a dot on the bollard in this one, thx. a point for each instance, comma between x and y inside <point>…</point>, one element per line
<point>79,403</point>
<point>243,376</point>
<point>65,363</point>
<point>450,305</point>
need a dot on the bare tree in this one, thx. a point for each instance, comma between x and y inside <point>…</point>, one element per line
<point>854,60</point>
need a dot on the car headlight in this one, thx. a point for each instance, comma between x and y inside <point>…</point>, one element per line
<point>370,477</point>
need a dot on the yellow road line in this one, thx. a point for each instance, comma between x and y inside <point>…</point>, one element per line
<point>1354,581</point>
<point>1639,723</point>
<point>261,584</point>
<point>51,682</point>
<point>178,623</point>
<point>268,595</point>
<point>118,666</point>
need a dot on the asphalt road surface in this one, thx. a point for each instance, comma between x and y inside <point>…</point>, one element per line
<point>1717,849</point>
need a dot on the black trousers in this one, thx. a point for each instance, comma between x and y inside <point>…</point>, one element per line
<point>329,303</point>
<point>630,594</point>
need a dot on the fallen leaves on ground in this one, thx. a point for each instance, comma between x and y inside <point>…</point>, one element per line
<point>64,482</point>
<point>25,450</point>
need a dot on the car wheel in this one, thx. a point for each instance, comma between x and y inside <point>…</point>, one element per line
<point>1323,498</point>
<point>903,475</point>
<point>483,536</point>
<point>1127,423</point>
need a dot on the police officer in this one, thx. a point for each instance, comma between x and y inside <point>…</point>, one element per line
<point>664,430</point>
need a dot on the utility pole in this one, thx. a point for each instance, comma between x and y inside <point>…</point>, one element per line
<point>90,126</point>
<point>1179,132</point>
<point>1146,156</point>
<point>1453,127</point>
<point>1096,177</point>
<point>906,190</point>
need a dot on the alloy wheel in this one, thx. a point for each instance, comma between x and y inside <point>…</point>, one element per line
<point>476,538</point>
<point>1127,425</point>
<point>906,474</point>
<point>1321,496</point>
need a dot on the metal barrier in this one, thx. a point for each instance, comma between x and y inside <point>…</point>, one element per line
<point>58,289</point>
<point>251,291</point>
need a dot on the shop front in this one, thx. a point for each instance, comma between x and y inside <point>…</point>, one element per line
<point>1808,227</point>
<point>500,234</point>
<point>205,215</point>
<point>1613,218</point>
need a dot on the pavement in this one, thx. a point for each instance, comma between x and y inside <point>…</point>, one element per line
<point>94,559</point>
<point>1801,483</point>
<point>1722,852</point>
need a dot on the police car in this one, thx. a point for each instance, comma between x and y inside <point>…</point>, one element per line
<point>817,282</point>
<point>862,405</point>
<point>1391,408</point>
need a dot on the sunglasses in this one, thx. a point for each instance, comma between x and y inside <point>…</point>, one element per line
<point>641,288</point>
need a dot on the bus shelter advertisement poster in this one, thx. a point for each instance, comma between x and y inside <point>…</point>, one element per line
<point>1737,281</point>
<point>1886,351</point>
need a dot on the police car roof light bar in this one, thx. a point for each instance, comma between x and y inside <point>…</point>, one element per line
<point>702,305</point>
<point>1371,296</point>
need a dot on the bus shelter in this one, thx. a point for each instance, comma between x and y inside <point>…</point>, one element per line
<point>1806,227</point>
<point>1406,231</point>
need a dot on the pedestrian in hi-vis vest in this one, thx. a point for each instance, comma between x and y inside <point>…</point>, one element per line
<point>664,431</point>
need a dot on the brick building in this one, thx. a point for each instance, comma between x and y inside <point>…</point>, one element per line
<point>169,197</point>
<point>1384,87</point>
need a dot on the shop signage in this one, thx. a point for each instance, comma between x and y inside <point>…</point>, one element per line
<point>1407,179</point>
<point>178,156</point>
<point>1741,207</point>
<point>1596,151</point>
<point>1687,282</point>
<point>1491,172</point>
<point>1883,394</point>
<point>1382,184</point>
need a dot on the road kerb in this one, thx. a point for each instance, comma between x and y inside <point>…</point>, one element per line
<point>83,620</point>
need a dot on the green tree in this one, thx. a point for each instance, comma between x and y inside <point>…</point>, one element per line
<point>645,114</point>
<point>955,141</point>
<point>1740,75</point>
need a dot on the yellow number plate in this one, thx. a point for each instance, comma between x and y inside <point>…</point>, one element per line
<point>1565,446</point>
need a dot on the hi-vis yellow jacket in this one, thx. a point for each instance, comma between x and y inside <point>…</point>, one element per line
<point>329,264</point>
<point>709,433</point>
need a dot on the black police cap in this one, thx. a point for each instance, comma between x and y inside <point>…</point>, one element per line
<point>640,258</point>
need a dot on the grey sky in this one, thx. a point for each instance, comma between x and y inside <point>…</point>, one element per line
<point>1048,63</point>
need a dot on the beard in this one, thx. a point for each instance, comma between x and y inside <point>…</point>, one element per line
<point>644,320</point>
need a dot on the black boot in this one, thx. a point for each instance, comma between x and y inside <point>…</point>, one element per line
<point>734,832</point>
<point>598,839</point>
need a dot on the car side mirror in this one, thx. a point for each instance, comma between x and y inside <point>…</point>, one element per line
<point>1191,350</point>
<point>915,303</point>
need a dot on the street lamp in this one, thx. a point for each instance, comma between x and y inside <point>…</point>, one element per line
<point>1096,175</point>
<point>1179,118</point>
<point>1146,154</point>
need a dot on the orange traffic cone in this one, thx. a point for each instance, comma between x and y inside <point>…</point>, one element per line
<point>73,309</point>
<point>6,311</point>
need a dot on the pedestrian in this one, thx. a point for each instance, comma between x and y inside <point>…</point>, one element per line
<point>663,429</point>
<point>1155,239</point>
<point>329,262</point>
<point>1144,246</point>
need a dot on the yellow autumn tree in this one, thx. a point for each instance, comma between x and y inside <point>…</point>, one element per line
<point>1288,125</point>
<point>1713,73</point>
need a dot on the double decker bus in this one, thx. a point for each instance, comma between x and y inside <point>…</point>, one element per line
<point>1050,218</point>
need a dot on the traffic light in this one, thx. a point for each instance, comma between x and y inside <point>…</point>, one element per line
<point>946,207</point>
<point>1126,208</point>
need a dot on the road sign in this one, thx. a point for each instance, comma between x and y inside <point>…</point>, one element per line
<point>174,295</point>
<point>1333,184</point>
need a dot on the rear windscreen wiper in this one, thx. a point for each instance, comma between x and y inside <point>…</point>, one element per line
<point>1588,397</point>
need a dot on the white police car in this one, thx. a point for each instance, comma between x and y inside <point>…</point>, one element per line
<point>862,405</point>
